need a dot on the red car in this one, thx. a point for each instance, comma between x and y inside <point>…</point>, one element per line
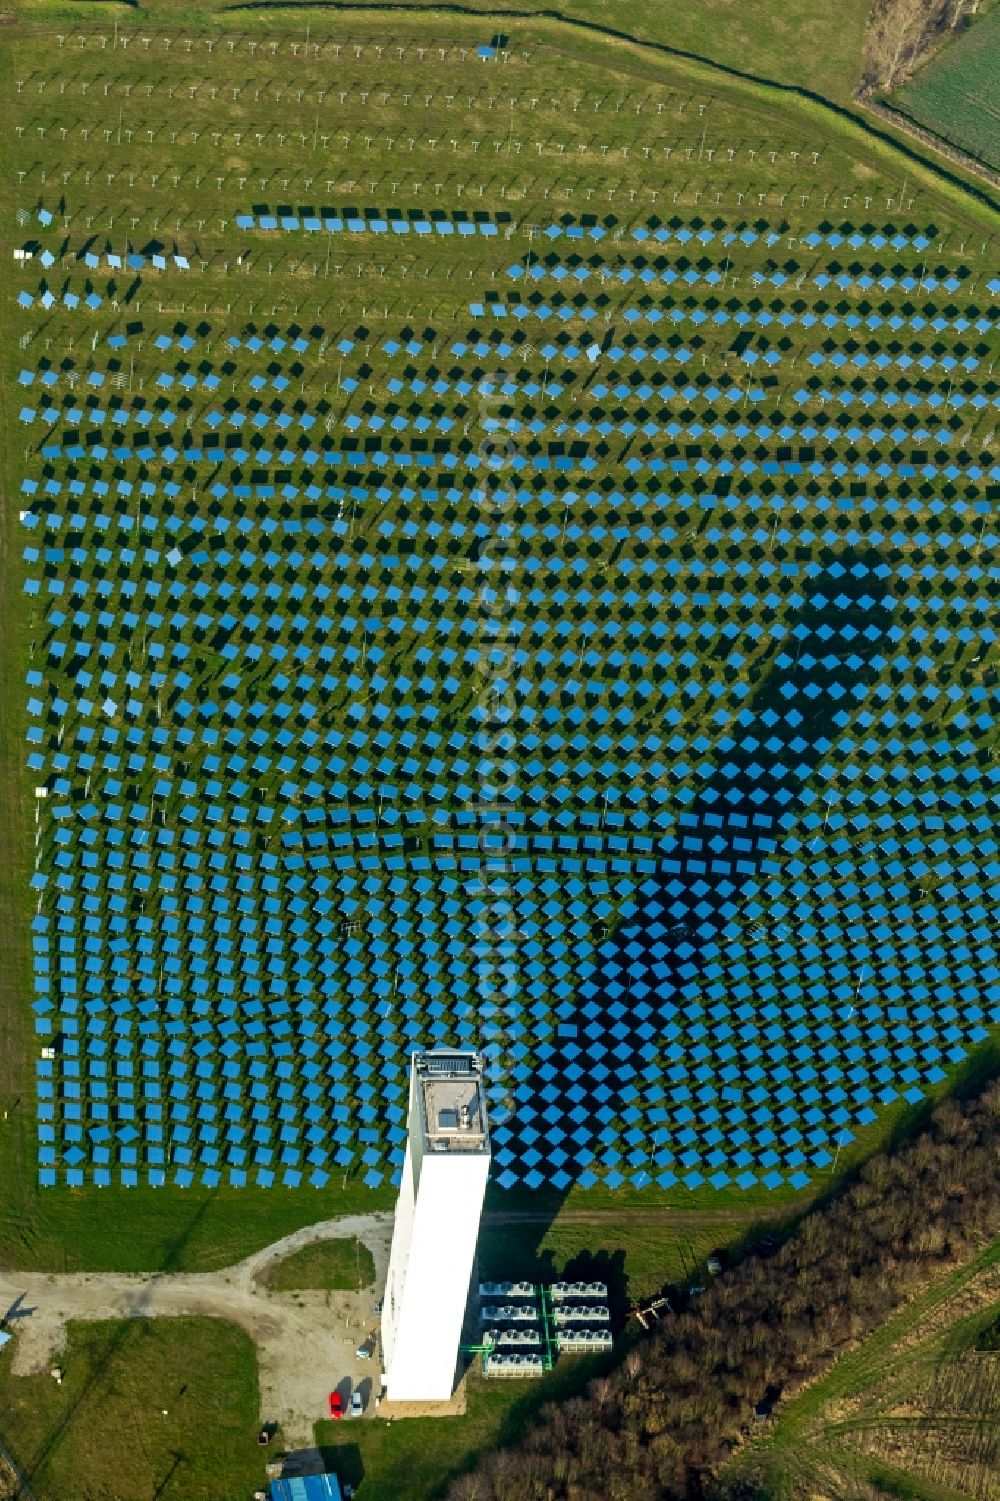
<point>336,1405</point>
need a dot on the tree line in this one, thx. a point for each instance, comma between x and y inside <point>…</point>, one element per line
<point>901,34</point>
<point>660,1425</point>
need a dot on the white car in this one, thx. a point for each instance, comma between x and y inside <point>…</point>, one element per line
<point>357,1404</point>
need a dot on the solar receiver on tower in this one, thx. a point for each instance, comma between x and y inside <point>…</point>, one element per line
<point>437,1223</point>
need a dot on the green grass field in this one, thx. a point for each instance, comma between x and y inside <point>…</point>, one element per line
<point>169,1229</point>
<point>791,42</point>
<point>330,1265</point>
<point>635,1251</point>
<point>101,1435</point>
<point>955,94</point>
<point>635,1258</point>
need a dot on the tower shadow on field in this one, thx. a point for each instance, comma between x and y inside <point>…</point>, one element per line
<point>835,642</point>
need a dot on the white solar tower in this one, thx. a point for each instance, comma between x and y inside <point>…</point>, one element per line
<point>437,1224</point>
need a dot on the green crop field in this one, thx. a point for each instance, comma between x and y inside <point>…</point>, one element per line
<point>954,94</point>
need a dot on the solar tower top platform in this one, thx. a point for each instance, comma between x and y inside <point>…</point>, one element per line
<point>437,1224</point>
<point>451,1110</point>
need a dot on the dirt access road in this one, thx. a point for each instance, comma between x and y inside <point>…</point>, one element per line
<point>305,1341</point>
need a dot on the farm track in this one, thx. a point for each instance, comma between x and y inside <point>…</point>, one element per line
<point>686,1219</point>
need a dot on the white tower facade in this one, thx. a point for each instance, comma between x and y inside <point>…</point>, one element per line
<point>437,1224</point>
